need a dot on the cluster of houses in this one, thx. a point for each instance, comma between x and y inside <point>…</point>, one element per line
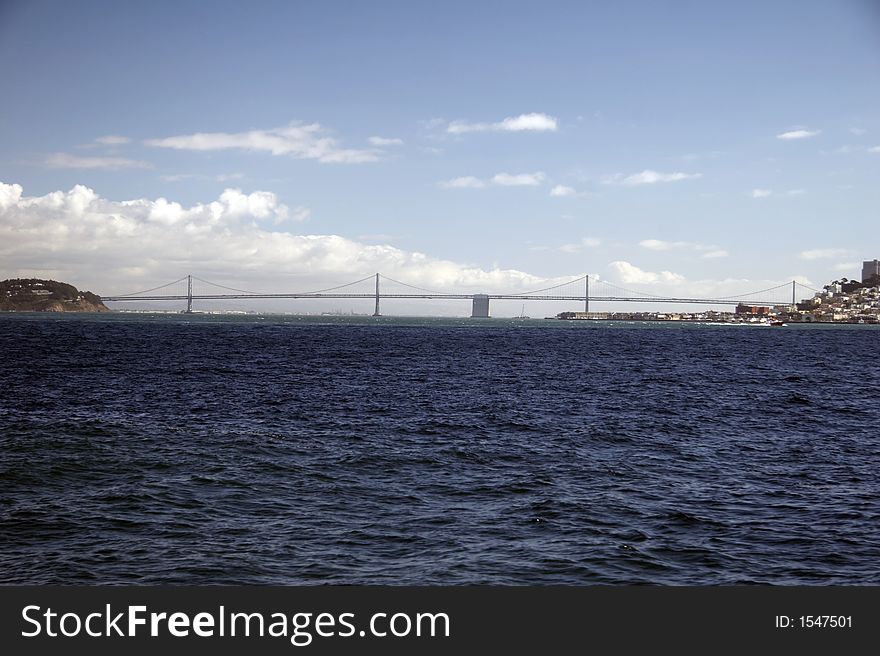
<point>842,301</point>
<point>846,301</point>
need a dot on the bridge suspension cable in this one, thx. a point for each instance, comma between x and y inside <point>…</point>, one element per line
<point>144,291</point>
<point>785,285</point>
<point>547,289</point>
<point>629,291</point>
<point>421,289</point>
<point>232,289</point>
<point>348,284</point>
<point>800,284</point>
<point>247,291</point>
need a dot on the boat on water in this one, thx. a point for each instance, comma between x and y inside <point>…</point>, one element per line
<point>777,323</point>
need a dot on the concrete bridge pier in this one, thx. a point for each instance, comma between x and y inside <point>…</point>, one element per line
<point>480,308</point>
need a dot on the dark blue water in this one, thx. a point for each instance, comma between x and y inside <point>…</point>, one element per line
<point>282,450</point>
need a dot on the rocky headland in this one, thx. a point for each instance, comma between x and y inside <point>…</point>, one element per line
<point>35,295</point>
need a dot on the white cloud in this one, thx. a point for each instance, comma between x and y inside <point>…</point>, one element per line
<point>67,161</point>
<point>433,123</point>
<point>298,213</point>
<point>874,149</point>
<point>823,253</point>
<point>533,121</point>
<point>115,246</point>
<point>524,122</point>
<point>668,283</point>
<point>586,242</point>
<point>464,182</point>
<point>112,140</point>
<point>518,179</point>
<point>660,245</point>
<point>708,252</point>
<point>855,267</point>
<point>764,193</point>
<point>385,141</point>
<point>649,177</point>
<point>561,190</point>
<point>798,134</point>
<point>499,179</point>
<point>858,131</point>
<point>303,141</point>
<point>178,177</point>
<point>629,273</point>
<point>381,236</point>
<point>221,177</point>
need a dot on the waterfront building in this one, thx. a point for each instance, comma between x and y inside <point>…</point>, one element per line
<point>870,268</point>
<point>760,310</point>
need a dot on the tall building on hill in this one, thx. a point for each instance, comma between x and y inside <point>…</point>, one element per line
<point>870,268</point>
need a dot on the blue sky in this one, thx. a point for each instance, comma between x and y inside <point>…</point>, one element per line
<point>682,147</point>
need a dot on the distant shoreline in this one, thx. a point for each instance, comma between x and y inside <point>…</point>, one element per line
<point>728,323</point>
<point>388,320</point>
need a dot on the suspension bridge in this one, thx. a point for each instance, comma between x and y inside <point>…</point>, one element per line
<point>378,288</point>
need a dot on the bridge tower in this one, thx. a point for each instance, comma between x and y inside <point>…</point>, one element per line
<point>189,294</point>
<point>376,313</point>
<point>587,293</point>
<point>793,301</point>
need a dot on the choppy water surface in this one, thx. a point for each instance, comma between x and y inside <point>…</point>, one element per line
<point>170,449</point>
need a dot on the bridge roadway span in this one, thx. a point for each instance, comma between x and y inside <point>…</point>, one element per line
<point>511,297</point>
<point>480,301</point>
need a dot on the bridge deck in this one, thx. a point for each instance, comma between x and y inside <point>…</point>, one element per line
<point>512,297</point>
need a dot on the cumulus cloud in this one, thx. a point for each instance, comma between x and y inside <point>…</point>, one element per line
<point>524,122</point>
<point>764,193</point>
<point>874,149</point>
<point>302,141</point>
<point>668,283</point>
<point>178,177</point>
<point>385,141</point>
<point>660,245</point>
<point>112,140</point>
<point>823,253</point>
<point>631,274</point>
<point>464,182</point>
<point>115,246</point>
<point>221,177</point>
<point>586,242</point>
<point>226,177</point>
<point>499,179</point>
<point>797,134</point>
<point>708,252</point>
<point>649,177</point>
<point>518,179</point>
<point>67,161</point>
<point>561,190</point>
